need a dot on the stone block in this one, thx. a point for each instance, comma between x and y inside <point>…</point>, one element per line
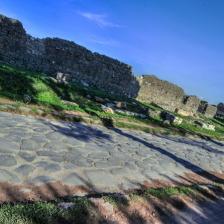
<point>210,111</point>
<point>220,110</point>
<point>191,104</point>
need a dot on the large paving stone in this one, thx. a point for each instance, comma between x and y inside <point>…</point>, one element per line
<point>49,167</point>
<point>6,176</point>
<point>7,160</point>
<point>31,145</point>
<point>39,180</point>
<point>27,156</point>
<point>8,146</point>
<point>24,170</point>
<point>75,180</point>
<point>101,178</point>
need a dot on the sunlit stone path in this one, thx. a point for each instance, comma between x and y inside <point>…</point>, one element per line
<point>36,151</point>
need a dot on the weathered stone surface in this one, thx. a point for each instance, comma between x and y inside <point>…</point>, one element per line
<point>185,113</point>
<point>106,160</point>
<point>7,160</point>
<point>40,180</point>
<point>163,93</point>
<point>202,106</point>
<point>107,109</point>
<point>6,176</point>
<point>220,110</point>
<point>178,120</point>
<point>121,105</point>
<point>168,117</point>
<point>29,157</point>
<point>207,109</point>
<point>74,179</point>
<point>25,169</point>
<point>205,126</point>
<point>210,111</point>
<point>191,104</point>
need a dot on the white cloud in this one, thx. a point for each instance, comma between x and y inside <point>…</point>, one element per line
<point>99,19</point>
<point>102,41</point>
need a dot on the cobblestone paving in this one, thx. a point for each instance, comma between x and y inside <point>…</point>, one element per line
<point>37,151</point>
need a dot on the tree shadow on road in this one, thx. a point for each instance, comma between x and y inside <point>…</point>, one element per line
<point>79,131</point>
<point>198,143</point>
<point>186,164</point>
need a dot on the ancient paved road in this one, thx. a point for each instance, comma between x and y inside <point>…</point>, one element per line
<point>36,151</point>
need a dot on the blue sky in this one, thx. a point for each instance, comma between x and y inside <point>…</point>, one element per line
<point>178,40</point>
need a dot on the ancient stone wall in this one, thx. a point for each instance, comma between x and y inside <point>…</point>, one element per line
<point>191,103</point>
<point>210,111</point>
<point>220,110</point>
<point>163,93</point>
<point>202,106</point>
<point>53,55</point>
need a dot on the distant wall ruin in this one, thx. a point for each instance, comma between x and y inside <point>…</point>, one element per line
<point>163,93</point>
<point>220,110</point>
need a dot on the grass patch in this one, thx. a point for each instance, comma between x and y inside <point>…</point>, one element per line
<point>169,191</point>
<point>53,99</point>
<point>116,200</point>
<point>44,212</point>
<point>82,208</point>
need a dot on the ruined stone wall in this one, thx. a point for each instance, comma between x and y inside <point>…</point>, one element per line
<point>210,111</point>
<point>220,110</point>
<point>163,93</point>
<point>52,55</point>
<point>77,64</point>
<point>191,104</point>
<point>207,109</point>
<point>202,106</point>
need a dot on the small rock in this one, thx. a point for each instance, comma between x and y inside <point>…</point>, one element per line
<point>111,105</point>
<point>154,113</point>
<point>84,83</point>
<point>62,78</point>
<point>107,109</point>
<point>204,125</point>
<point>131,113</point>
<point>99,99</point>
<point>185,113</point>
<point>178,121</point>
<point>70,103</point>
<point>66,205</point>
<point>107,100</point>
<point>53,79</point>
<point>166,116</point>
<point>27,99</point>
<point>121,105</point>
<point>166,122</point>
